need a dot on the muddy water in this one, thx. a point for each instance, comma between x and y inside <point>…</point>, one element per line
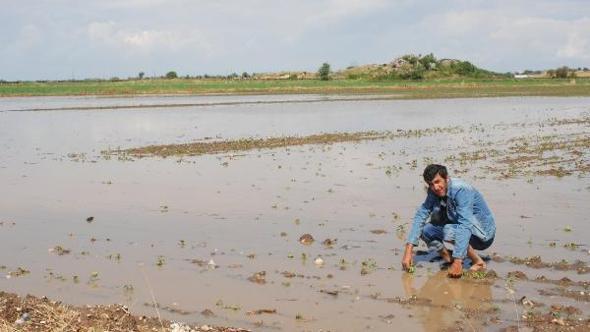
<point>159,222</point>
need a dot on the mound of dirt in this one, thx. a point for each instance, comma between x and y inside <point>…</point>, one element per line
<point>40,314</point>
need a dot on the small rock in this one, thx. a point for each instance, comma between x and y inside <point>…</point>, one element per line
<point>318,261</point>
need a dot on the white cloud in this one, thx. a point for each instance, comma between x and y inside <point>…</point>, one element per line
<point>151,40</point>
<point>577,43</point>
<point>102,38</point>
<point>496,37</point>
<point>28,37</point>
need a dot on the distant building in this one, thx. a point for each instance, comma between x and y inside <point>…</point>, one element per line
<point>521,76</point>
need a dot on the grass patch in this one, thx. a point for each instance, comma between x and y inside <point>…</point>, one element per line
<point>431,88</point>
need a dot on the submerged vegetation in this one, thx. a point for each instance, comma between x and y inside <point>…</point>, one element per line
<point>200,148</point>
<point>555,155</point>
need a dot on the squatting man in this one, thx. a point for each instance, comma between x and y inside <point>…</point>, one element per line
<point>454,212</point>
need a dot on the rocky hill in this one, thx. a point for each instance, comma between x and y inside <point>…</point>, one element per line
<point>416,67</point>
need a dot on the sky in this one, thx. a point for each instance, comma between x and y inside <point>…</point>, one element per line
<point>73,39</point>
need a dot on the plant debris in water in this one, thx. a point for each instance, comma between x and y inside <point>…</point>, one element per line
<point>60,251</point>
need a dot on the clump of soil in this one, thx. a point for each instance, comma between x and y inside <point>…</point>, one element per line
<point>517,275</point>
<point>40,314</point>
<point>557,318</point>
<point>258,277</point>
<point>536,262</point>
<point>582,296</point>
<point>306,239</point>
<point>565,281</point>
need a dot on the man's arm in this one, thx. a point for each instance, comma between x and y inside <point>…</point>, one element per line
<point>408,258</point>
<point>420,217</point>
<point>464,209</point>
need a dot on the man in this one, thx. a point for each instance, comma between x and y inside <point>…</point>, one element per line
<point>458,215</point>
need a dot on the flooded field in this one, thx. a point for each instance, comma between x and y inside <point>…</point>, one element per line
<point>88,217</point>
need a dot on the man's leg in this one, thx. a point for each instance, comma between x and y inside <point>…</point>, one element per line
<point>478,263</point>
<point>475,243</point>
<point>433,236</point>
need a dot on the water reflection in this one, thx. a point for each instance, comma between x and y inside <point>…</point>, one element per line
<point>451,303</point>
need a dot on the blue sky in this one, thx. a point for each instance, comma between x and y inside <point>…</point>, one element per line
<point>63,39</point>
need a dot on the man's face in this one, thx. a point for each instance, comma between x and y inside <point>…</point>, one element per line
<point>439,185</point>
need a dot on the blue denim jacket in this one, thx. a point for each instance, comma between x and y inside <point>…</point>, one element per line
<point>465,207</point>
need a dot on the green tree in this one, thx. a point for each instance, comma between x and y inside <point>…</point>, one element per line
<point>324,71</point>
<point>171,74</point>
<point>141,75</point>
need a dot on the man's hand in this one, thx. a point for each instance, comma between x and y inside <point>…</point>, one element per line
<point>456,269</point>
<point>407,260</point>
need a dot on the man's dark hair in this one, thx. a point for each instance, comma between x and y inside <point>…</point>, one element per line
<point>432,170</point>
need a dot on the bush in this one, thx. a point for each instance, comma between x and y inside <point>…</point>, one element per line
<point>463,68</point>
<point>324,72</point>
<point>562,72</point>
<point>411,58</point>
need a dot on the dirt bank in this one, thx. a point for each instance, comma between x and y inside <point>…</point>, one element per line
<point>41,314</point>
